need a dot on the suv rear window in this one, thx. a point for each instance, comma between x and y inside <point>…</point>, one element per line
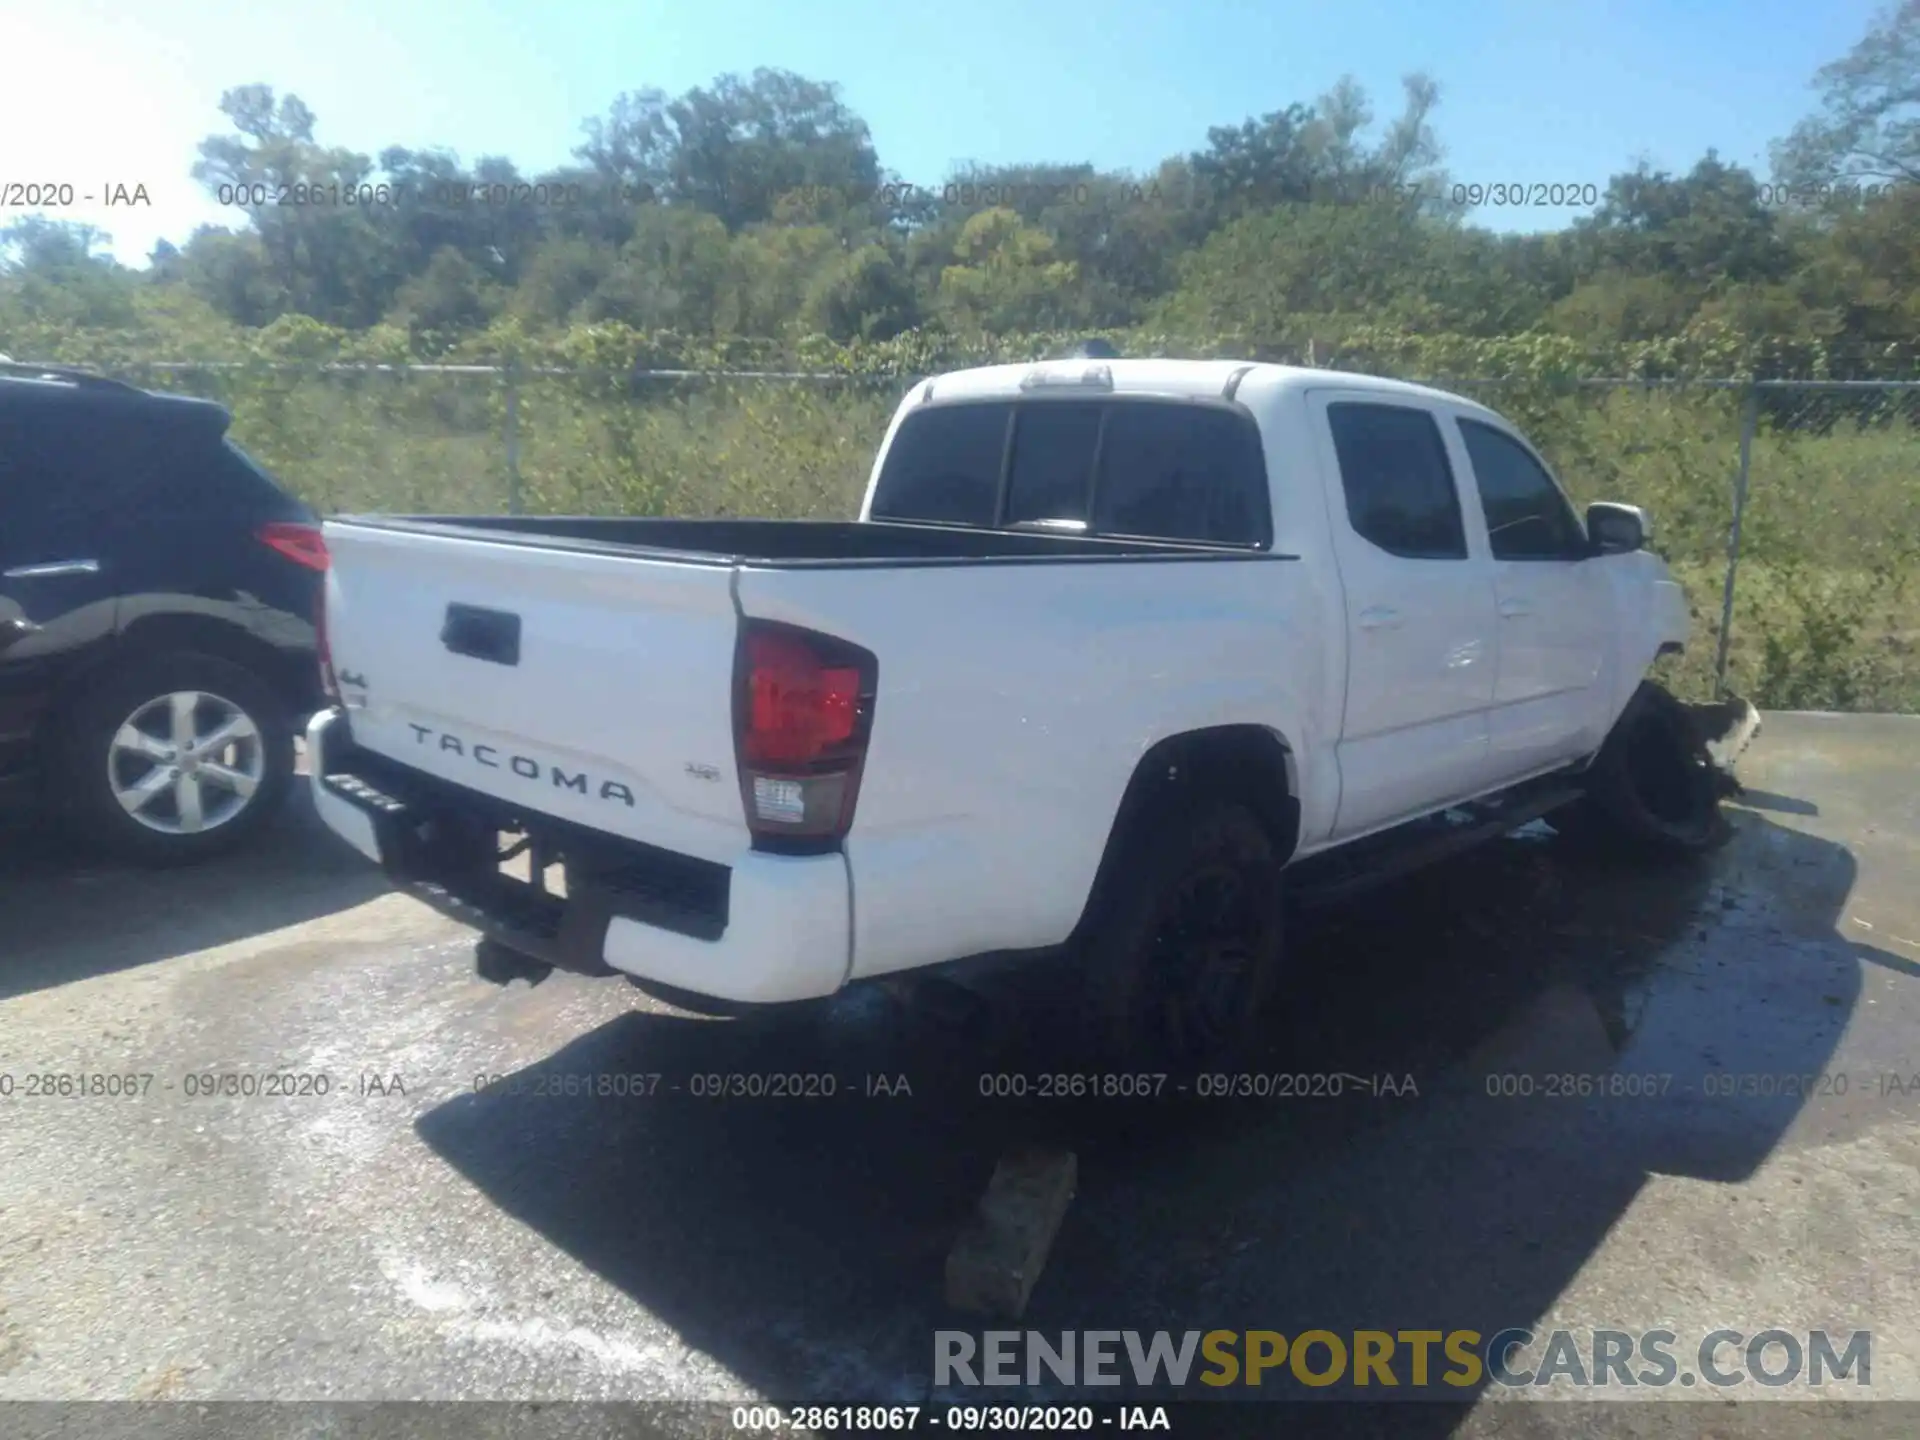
<point>1148,469</point>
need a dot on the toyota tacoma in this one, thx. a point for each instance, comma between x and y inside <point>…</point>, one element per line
<point>1118,658</point>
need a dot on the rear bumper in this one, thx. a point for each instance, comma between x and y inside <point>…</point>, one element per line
<point>766,929</point>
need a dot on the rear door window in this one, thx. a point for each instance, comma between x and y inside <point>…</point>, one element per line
<point>89,471</point>
<point>55,499</point>
<point>1399,485</point>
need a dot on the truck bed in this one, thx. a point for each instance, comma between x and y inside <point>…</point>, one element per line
<point>585,671</point>
<point>797,544</point>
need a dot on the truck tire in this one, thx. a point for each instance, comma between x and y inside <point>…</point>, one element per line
<point>1652,791</point>
<point>174,758</point>
<point>1180,967</point>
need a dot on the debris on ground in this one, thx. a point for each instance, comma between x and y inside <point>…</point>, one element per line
<point>1726,728</point>
<point>998,1257</point>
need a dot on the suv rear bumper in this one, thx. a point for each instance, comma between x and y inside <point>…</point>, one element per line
<point>766,929</point>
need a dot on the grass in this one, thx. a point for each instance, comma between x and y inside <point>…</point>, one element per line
<point>1825,617</point>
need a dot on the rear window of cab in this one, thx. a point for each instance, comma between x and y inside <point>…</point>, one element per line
<point>1137,468</point>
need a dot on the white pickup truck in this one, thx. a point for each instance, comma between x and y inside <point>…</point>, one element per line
<point>1116,655</point>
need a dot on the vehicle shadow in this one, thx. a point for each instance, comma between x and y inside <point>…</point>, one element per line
<point>801,1243</point>
<point>1782,804</point>
<point>66,914</point>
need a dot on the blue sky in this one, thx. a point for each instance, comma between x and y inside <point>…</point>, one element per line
<point>1531,90</point>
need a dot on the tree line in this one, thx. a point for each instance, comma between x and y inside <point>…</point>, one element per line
<point>758,206</point>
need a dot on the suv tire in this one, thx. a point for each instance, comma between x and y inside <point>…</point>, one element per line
<point>175,758</point>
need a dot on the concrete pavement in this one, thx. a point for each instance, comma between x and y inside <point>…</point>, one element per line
<point>401,1236</point>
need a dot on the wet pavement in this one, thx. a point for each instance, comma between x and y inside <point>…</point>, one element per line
<point>402,1236</point>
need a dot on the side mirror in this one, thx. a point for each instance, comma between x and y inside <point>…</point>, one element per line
<point>1616,529</point>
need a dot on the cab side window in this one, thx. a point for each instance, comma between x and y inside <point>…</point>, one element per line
<point>1527,516</point>
<point>1399,485</point>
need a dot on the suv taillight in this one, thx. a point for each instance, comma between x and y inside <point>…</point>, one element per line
<point>301,544</point>
<point>803,709</point>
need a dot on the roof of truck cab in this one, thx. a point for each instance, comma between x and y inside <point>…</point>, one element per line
<point>1198,378</point>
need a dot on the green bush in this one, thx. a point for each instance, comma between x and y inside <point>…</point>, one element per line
<point>1824,616</point>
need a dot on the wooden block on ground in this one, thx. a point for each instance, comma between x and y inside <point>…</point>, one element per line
<point>1560,1033</point>
<point>992,1267</point>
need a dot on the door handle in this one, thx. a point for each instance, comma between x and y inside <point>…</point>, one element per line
<point>1380,617</point>
<point>1514,609</point>
<point>14,628</point>
<point>52,567</point>
<point>492,635</point>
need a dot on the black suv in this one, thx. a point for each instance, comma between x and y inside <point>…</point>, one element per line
<point>158,598</point>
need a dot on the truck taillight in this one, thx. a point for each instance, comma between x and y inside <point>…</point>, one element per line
<point>803,709</point>
<point>329,686</point>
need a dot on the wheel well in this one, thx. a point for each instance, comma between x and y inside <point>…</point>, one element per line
<point>160,634</point>
<point>1249,764</point>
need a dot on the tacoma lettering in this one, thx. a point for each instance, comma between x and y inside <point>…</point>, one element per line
<point>525,766</point>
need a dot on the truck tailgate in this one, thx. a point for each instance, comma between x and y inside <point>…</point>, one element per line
<point>597,688</point>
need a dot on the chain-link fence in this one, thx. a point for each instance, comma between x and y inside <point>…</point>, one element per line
<point>1790,509</point>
